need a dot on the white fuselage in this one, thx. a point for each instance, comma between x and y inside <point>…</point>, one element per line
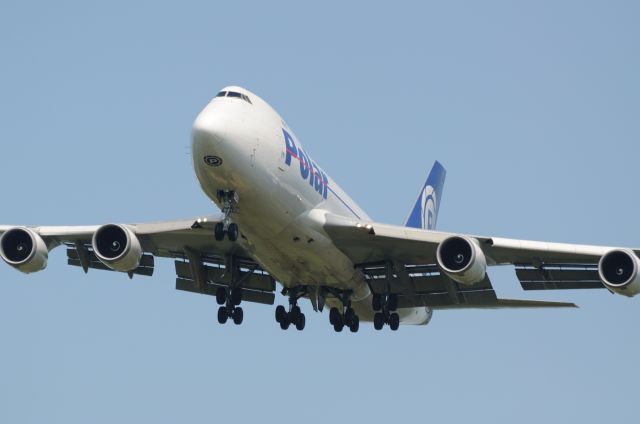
<point>282,194</point>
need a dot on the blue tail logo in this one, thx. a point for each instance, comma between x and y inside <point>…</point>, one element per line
<point>425,211</point>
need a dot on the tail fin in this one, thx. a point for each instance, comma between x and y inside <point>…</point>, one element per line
<point>425,212</point>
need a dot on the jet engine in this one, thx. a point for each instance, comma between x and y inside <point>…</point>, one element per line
<point>117,247</point>
<point>24,250</point>
<point>462,260</point>
<point>618,270</point>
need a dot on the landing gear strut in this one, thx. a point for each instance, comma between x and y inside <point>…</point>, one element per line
<point>385,305</point>
<point>294,315</point>
<point>229,199</point>
<point>230,301</point>
<point>345,316</point>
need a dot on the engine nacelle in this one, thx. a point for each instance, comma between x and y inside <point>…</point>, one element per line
<point>618,270</point>
<point>462,260</point>
<point>24,250</point>
<point>117,247</point>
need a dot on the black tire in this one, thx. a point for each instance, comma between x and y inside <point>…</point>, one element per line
<point>221,296</point>
<point>334,316</point>
<point>236,296</point>
<point>378,321</point>
<point>376,302</point>
<point>281,313</point>
<point>300,322</point>
<point>392,302</point>
<point>394,322</point>
<point>284,323</point>
<point>233,232</point>
<point>218,231</point>
<point>295,313</point>
<point>238,316</point>
<point>338,327</point>
<point>223,316</point>
<point>355,324</point>
<point>348,316</point>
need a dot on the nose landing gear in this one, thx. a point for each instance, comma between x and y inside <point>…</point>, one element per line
<point>229,199</point>
<point>231,231</point>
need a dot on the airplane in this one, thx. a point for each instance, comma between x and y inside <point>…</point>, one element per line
<point>285,222</point>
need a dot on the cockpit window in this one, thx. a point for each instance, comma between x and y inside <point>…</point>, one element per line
<point>221,94</point>
<point>238,96</point>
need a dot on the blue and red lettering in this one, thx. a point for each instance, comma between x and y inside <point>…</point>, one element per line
<point>304,164</point>
<point>325,183</point>
<point>308,168</point>
<point>291,147</point>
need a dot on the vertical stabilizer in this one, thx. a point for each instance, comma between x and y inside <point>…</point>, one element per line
<point>425,212</point>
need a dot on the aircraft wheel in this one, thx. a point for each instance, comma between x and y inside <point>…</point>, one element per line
<point>281,313</point>
<point>349,316</point>
<point>295,313</point>
<point>394,321</point>
<point>378,321</point>
<point>223,316</point>
<point>236,296</point>
<point>392,302</point>
<point>300,322</point>
<point>334,316</point>
<point>338,327</point>
<point>233,232</point>
<point>238,316</point>
<point>284,323</point>
<point>355,324</point>
<point>218,231</point>
<point>376,302</point>
<point>221,296</point>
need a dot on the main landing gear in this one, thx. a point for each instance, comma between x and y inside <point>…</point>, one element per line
<point>229,199</point>
<point>345,316</point>
<point>385,307</point>
<point>230,300</point>
<point>294,315</point>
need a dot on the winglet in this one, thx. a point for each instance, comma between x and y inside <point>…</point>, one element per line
<point>425,211</point>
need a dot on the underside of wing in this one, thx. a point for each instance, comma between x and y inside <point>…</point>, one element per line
<point>559,276</point>
<point>427,285</point>
<point>539,265</point>
<point>203,264</point>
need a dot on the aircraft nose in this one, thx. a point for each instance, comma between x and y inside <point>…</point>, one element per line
<point>209,128</point>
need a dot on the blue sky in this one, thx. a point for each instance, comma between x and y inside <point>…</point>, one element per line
<point>532,108</point>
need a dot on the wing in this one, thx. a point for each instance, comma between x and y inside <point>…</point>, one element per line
<point>202,263</point>
<point>403,260</point>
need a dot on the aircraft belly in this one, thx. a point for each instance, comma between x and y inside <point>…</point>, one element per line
<point>295,263</point>
<point>294,260</point>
